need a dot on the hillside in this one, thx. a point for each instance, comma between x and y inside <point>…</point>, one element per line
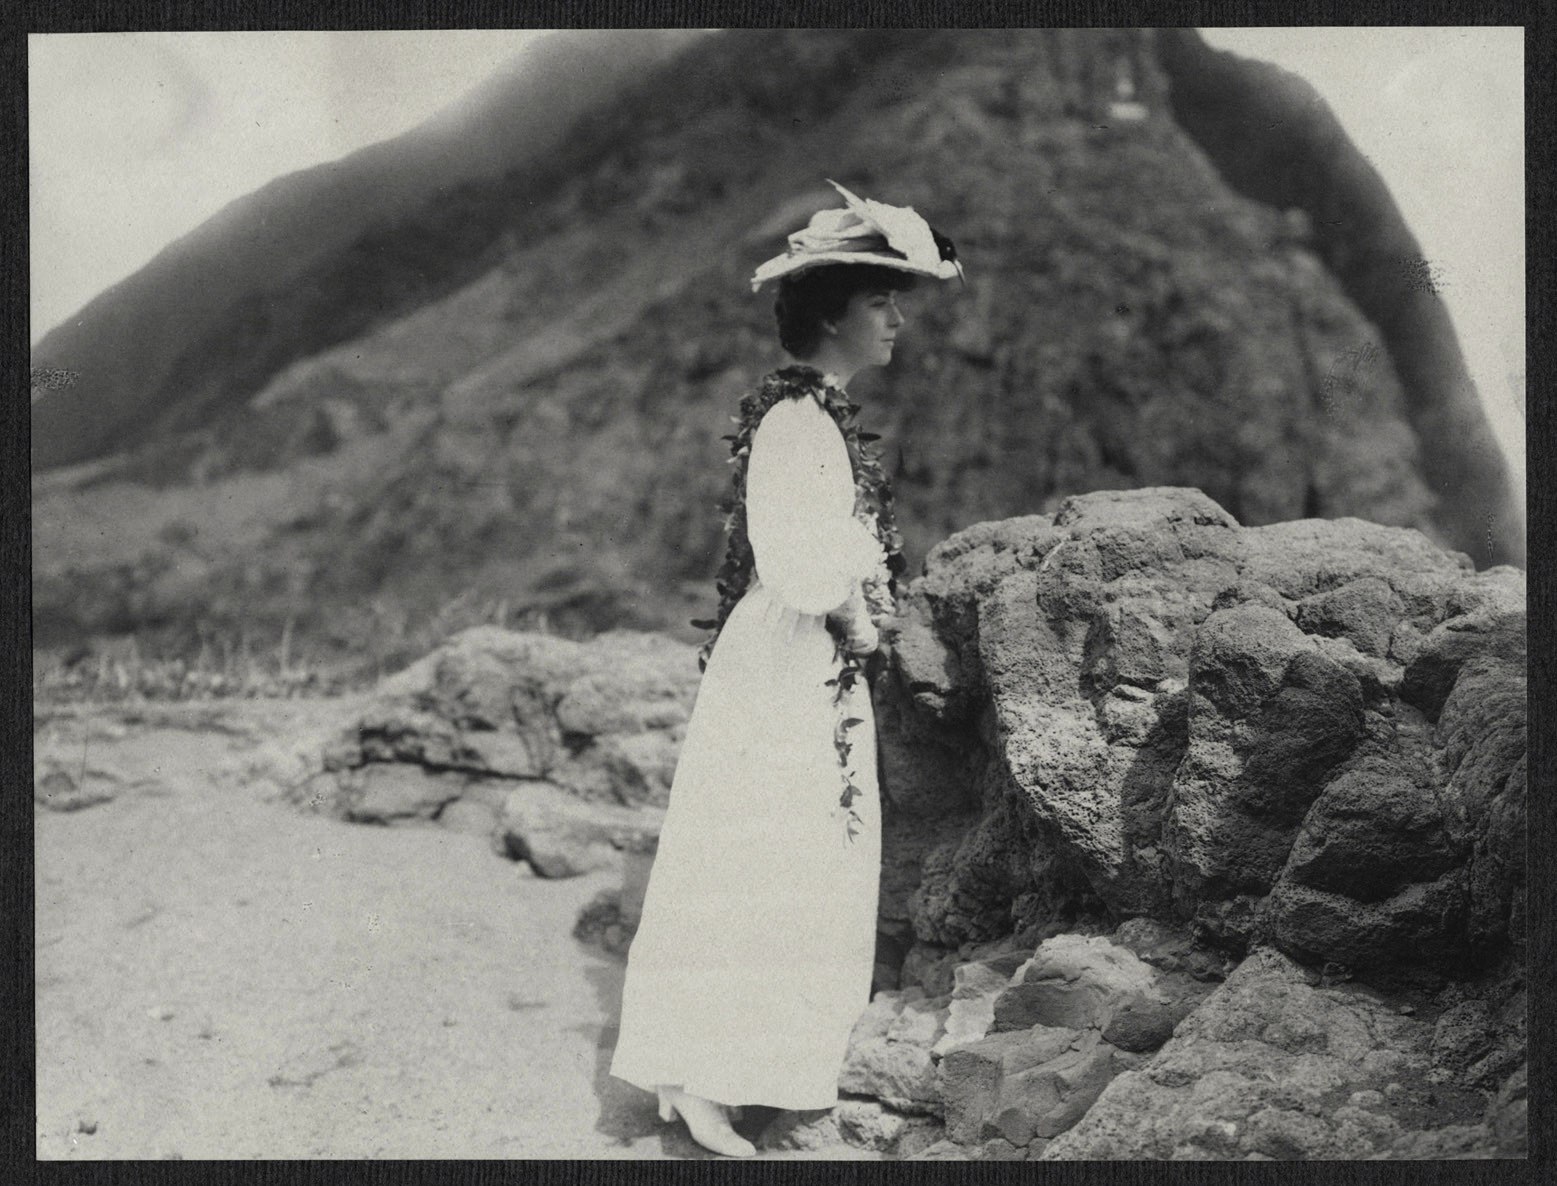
<point>127,346</point>
<point>509,399</point>
<point>1274,140</point>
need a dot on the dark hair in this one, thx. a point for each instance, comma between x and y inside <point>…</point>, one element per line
<point>807,299</point>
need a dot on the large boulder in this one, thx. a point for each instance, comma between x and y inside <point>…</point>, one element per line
<point>603,718</point>
<point>1310,734</point>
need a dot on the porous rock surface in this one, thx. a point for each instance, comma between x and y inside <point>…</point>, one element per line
<point>1278,1065</point>
<point>1310,733</point>
<point>562,751</point>
<point>1020,1046</point>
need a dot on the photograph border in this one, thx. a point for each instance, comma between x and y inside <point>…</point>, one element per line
<point>16,881</point>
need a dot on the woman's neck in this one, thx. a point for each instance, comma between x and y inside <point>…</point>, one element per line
<point>832,362</point>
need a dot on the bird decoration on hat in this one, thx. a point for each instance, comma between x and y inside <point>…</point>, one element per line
<point>948,251</point>
<point>865,232</point>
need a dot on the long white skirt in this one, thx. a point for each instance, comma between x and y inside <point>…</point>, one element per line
<point>753,958</point>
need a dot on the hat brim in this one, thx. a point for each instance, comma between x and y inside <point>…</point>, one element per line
<point>788,265</point>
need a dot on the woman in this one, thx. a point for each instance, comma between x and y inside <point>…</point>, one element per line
<point>753,957</point>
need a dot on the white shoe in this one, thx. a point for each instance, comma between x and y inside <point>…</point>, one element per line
<point>707,1123</point>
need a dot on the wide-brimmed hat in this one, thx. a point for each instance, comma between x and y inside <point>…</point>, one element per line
<point>865,232</point>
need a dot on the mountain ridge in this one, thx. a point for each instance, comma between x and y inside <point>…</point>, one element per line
<point>542,431</point>
<point>124,344</point>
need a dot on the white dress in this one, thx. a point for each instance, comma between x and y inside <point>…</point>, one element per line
<point>754,954</point>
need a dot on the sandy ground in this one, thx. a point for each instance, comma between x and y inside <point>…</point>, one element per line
<point>221,976</point>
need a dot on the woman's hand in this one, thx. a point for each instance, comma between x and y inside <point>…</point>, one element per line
<point>863,641</point>
<point>852,618</point>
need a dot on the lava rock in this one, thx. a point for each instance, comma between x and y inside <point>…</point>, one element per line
<point>889,1051</point>
<point>1167,716</point>
<point>603,718</point>
<point>562,836</point>
<point>1076,982</point>
<point>1268,1067</point>
<point>976,987</point>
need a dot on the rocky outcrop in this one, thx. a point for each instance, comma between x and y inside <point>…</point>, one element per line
<point>1158,742</point>
<point>1019,1048</point>
<point>1278,1065</point>
<point>1130,1045</point>
<point>562,751</point>
<point>1310,734</point>
<point>1124,747</point>
<point>1080,1011</point>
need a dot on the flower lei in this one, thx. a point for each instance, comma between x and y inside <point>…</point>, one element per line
<point>872,505</point>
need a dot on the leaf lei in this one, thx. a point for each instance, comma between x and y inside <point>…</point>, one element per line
<point>873,504</point>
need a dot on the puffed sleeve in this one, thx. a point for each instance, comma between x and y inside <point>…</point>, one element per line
<point>810,550</point>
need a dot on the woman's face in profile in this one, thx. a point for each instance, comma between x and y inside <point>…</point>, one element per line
<point>869,326</point>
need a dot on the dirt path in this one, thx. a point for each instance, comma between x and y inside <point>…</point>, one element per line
<point>219,976</point>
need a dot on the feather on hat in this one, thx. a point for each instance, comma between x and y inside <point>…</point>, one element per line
<point>865,232</point>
